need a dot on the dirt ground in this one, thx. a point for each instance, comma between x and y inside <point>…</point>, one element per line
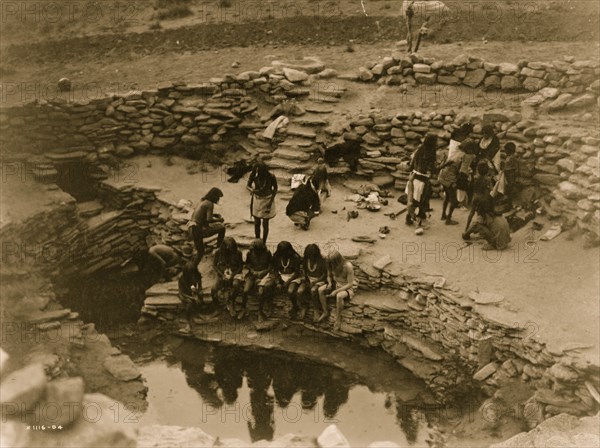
<point>536,278</point>
<point>26,80</point>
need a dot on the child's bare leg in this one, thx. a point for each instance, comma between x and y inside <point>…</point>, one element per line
<point>339,306</point>
<point>323,301</point>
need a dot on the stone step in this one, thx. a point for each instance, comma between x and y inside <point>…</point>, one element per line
<point>90,208</point>
<point>332,91</point>
<point>317,109</point>
<point>299,131</point>
<point>291,154</point>
<point>297,143</point>
<point>337,170</point>
<point>290,165</point>
<point>307,120</point>
<point>324,99</point>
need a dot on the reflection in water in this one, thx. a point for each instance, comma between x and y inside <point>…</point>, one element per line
<point>276,380</point>
<point>218,372</point>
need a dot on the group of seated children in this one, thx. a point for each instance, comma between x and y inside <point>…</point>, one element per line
<point>302,279</point>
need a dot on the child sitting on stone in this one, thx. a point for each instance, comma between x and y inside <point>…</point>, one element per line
<point>228,264</point>
<point>288,268</point>
<point>341,283</point>
<point>315,280</point>
<point>259,263</point>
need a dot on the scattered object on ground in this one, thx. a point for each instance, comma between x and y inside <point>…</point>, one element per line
<point>362,239</point>
<point>394,215</point>
<point>403,198</point>
<point>537,225</point>
<point>419,231</point>
<point>353,214</point>
<point>552,233</point>
<point>373,207</point>
<point>334,212</point>
<point>384,229</point>
<point>382,235</point>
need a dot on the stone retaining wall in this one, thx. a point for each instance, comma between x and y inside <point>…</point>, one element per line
<point>451,341</point>
<point>561,162</point>
<point>560,84</point>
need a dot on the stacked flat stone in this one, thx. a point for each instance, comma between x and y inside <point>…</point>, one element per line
<point>562,83</point>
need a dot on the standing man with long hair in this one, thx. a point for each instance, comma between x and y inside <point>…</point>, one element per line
<point>263,186</point>
<point>423,166</point>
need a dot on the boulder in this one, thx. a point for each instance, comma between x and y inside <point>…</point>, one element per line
<point>569,190</point>
<point>331,437</point>
<point>485,372</point>
<point>560,102</point>
<point>121,367</point>
<point>533,84</point>
<point>507,68</point>
<point>509,82</point>
<point>421,68</point>
<point>492,82</point>
<point>365,74</point>
<point>23,388</point>
<point>63,394</point>
<point>448,79</point>
<point>327,73</point>
<point>426,78</point>
<point>582,101</point>
<point>97,427</point>
<point>474,77</point>
<point>525,71</point>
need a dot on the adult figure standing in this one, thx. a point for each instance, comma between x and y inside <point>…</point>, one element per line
<point>423,167</point>
<point>489,148</point>
<point>205,222</point>
<point>263,186</point>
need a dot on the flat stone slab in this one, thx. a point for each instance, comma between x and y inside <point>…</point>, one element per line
<point>48,316</point>
<point>498,316</point>
<point>291,154</point>
<point>385,303</point>
<point>163,289</point>
<point>163,301</point>
<point>318,109</point>
<point>121,367</point>
<point>90,208</point>
<point>486,298</point>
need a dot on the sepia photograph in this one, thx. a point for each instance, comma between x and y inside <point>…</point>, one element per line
<point>300,223</point>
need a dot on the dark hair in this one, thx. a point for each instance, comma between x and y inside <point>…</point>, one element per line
<point>483,168</point>
<point>229,245</point>
<point>312,252</point>
<point>487,130</point>
<point>430,142</point>
<point>470,146</point>
<point>213,195</point>
<point>510,148</point>
<point>284,249</point>
<point>258,245</point>
<point>463,131</point>
<point>484,205</point>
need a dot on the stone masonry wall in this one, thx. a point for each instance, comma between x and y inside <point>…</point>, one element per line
<point>561,163</point>
<point>559,84</point>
